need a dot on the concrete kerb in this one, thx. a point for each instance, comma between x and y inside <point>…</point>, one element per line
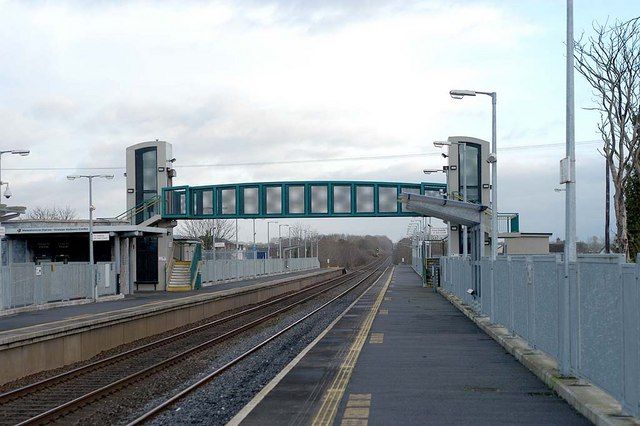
<point>9,337</point>
<point>51,305</point>
<point>23,351</point>
<point>589,400</point>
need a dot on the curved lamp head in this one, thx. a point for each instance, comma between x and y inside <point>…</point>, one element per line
<point>459,94</point>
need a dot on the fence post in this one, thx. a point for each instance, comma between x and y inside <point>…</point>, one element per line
<point>565,321</point>
<point>512,323</point>
<point>492,292</point>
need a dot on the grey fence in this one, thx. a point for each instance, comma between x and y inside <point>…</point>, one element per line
<point>25,284</point>
<point>603,331</point>
<point>231,269</point>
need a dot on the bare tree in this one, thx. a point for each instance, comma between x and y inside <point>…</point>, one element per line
<point>52,213</point>
<point>610,62</point>
<point>299,235</point>
<point>222,229</point>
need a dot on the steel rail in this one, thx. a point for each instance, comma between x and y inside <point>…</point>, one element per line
<point>96,394</point>
<point>68,375</point>
<point>149,414</point>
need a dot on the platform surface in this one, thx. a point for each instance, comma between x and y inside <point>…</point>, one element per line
<point>28,319</point>
<point>423,362</point>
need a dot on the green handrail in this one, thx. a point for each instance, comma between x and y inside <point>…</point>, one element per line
<point>130,214</point>
<point>194,270</point>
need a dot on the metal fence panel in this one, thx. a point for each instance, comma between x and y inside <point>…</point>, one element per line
<point>25,284</point>
<point>604,295</point>
<point>231,269</point>
<point>502,292</point>
<point>600,324</point>
<point>485,286</point>
<point>545,306</point>
<point>519,321</point>
<point>630,337</point>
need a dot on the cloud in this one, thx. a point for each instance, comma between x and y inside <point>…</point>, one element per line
<point>254,81</point>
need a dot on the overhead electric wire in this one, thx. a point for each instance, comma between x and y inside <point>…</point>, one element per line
<point>302,161</point>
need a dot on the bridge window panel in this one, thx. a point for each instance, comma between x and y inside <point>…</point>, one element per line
<point>250,200</point>
<point>176,200</point>
<point>227,201</point>
<point>274,200</point>
<point>207,201</point>
<point>387,199</point>
<point>296,199</point>
<point>410,190</point>
<point>342,199</point>
<point>203,202</point>
<point>364,199</point>
<point>319,199</point>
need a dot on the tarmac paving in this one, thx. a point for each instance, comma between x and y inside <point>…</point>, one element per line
<point>423,362</point>
<point>28,319</point>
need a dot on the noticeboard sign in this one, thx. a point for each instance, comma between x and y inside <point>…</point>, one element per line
<point>103,236</point>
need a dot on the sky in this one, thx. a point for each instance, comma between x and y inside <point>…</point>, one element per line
<point>229,82</point>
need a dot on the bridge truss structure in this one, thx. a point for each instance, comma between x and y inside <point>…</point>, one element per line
<point>310,199</point>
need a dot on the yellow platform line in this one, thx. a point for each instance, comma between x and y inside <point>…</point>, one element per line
<point>333,395</point>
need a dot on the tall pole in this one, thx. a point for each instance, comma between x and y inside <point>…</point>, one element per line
<point>570,205</point>
<point>463,168</point>
<point>494,206</point>
<point>280,241</point>
<point>494,184</point>
<point>10,151</point>
<point>213,248</point>
<point>92,270</point>
<point>269,222</point>
<point>237,253</point>
<point>255,253</point>
<point>92,266</point>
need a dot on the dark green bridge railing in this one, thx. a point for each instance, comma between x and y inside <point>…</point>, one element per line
<point>291,199</point>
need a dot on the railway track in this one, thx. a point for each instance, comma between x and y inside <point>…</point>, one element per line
<point>54,398</point>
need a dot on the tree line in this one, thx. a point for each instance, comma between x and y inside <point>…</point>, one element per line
<point>609,60</point>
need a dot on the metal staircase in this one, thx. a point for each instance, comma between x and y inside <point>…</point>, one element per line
<point>180,276</point>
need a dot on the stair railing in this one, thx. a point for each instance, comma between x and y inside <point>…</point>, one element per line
<point>194,270</point>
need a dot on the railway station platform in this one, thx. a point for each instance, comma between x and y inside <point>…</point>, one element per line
<point>31,342</point>
<point>44,316</point>
<point>402,354</point>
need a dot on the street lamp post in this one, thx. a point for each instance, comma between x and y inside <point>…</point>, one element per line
<point>7,193</point>
<point>91,209</point>
<point>269,222</point>
<point>306,235</point>
<point>459,94</point>
<point>570,254</point>
<point>280,239</point>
